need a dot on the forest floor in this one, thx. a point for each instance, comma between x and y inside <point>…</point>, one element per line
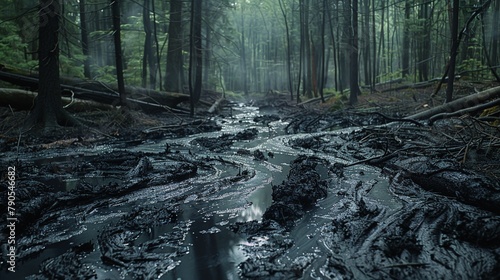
<point>120,125</point>
<point>357,193</point>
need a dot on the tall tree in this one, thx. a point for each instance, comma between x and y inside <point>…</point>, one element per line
<point>453,51</point>
<point>424,40</point>
<point>288,50</point>
<point>148,56</point>
<point>196,54</point>
<point>305,37</point>
<point>115,13</point>
<point>352,16</point>
<point>243,52</point>
<point>405,64</point>
<point>85,39</point>
<point>173,73</point>
<point>48,111</point>
<point>495,34</point>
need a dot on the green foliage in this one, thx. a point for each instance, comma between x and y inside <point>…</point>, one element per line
<point>71,66</point>
<point>390,76</point>
<point>11,46</point>
<point>105,74</point>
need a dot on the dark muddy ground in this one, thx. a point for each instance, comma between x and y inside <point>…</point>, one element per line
<point>266,191</point>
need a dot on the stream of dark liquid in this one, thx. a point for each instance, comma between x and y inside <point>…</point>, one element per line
<point>214,250</point>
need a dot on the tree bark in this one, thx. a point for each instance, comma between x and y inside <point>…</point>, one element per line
<point>453,51</point>
<point>405,63</point>
<point>458,104</point>
<point>85,40</point>
<point>115,12</point>
<point>288,50</point>
<point>173,72</point>
<point>307,52</point>
<point>353,55</point>
<point>48,111</point>
<point>196,54</point>
<point>148,56</point>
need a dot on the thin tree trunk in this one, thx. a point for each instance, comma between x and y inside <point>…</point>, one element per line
<point>85,40</point>
<point>244,54</point>
<point>405,71</point>
<point>322,63</point>
<point>485,49</point>
<point>173,72</point>
<point>453,52</point>
<point>307,55</point>
<point>196,56</point>
<point>115,11</point>
<point>374,46</point>
<point>495,37</point>
<point>353,54</point>
<point>335,49</point>
<point>366,42</point>
<point>288,51</point>
<point>157,46</point>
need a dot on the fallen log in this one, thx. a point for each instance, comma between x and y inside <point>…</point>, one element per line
<point>100,92</point>
<point>470,110</point>
<point>459,104</point>
<point>216,105</point>
<point>24,100</point>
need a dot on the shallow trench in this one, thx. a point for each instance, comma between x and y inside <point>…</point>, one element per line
<point>371,225</point>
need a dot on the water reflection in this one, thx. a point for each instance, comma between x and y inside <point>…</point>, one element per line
<point>214,251</point>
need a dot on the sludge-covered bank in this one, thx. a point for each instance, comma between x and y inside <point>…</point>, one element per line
<point>257,196</point>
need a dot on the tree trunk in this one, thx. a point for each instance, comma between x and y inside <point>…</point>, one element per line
<point>405,63</point>
<point>374,46</point>
<point>288,51</point>
<point>196,54</point>
<point>323,72</point>
<point>173,73</point>
<point>495,35</point>
<point>353,54</point>
<point>115,12</point>
<point>307,52</point>
<point>207,64</point>
<point>366,43</point>
<point>148,56</point>
<point>48,111</point>
<point>85,40</point>
<point>244,54</point>
<point>157,46</point>
<point>453,51</point>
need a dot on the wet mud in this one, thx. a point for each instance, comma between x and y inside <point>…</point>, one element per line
<point>261,193</point>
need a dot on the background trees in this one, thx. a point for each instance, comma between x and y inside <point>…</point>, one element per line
<point>302,46</point>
